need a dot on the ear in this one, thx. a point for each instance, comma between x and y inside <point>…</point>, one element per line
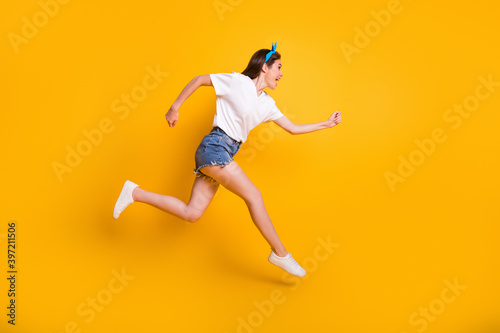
<point>265,68</point>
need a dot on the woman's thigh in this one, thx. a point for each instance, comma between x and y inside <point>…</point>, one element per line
<point>202,193</point>
<point>233,178</point>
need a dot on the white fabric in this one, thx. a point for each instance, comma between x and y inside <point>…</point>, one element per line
<point>239,109</point>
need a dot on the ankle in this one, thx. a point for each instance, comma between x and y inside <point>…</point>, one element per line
<point>135,193</point>
<point>280,253</point>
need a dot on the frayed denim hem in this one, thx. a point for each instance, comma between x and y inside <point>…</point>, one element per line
<point>198,173</point>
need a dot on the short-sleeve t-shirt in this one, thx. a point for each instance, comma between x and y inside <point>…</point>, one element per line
<point>239,109</point>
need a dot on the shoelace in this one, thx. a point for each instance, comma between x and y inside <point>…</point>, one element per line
<point>293,262</point>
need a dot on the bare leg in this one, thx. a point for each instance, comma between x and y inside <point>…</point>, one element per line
<point>233,178</point>
<point>201,195</point>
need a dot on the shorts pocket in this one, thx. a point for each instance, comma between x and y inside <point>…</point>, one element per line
<point>206,141</point>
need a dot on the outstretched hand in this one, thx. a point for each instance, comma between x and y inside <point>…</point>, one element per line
<point>172,116</point>
<point>334,119</point>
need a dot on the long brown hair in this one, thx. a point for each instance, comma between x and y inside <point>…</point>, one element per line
<point>257,61</point>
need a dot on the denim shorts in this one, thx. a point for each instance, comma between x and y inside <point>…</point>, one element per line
<point>216,148</point>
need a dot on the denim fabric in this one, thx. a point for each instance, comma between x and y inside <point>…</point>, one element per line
<point>216,148</point>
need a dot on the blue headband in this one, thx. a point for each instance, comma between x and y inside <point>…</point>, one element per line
<point>273,50</point>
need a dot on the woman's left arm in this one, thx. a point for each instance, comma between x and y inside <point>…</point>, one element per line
<point>292,128</point>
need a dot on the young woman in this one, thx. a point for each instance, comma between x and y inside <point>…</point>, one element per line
<point>242,104</point>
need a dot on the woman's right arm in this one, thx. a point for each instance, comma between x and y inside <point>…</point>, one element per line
<point>198,81</point>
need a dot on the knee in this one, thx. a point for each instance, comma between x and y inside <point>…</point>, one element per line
<point>254,197</point>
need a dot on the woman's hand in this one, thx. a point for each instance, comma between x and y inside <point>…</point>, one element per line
<point>334,119</point>
<point>172,116</point>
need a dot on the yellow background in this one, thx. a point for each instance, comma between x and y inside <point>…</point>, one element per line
<point>396,248</point>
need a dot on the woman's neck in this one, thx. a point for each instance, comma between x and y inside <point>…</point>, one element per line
<point>260,84</point>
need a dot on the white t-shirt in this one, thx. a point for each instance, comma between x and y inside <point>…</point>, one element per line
<point>239,109</point>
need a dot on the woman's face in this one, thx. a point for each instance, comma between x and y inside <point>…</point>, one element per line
<point>274,74</point>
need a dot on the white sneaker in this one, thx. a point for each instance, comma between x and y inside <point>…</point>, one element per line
<point>124,199</point>
<point>287,263</point>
